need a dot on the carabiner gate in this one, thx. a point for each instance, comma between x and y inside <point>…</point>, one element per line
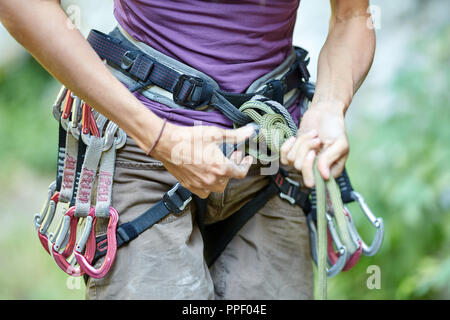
<point>376,222</point>
<point>86,266</point>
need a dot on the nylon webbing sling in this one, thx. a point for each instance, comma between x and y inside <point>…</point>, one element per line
<point>187,90</point>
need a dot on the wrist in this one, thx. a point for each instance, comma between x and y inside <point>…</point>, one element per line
<point>162,143</point>
<point>330,106</point>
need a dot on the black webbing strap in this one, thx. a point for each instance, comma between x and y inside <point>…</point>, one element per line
<point>218,235</point>
<point>61,156</point>
<point>191,91</point>
<point>187,90</point>
<point>173,201</point>
<point>80,160</point>
<point>345,186</point>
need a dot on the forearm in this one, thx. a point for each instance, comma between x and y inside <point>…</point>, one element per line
<point>345,58</point>
<point>42,28</point>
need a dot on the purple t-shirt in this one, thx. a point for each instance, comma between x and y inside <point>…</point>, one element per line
<point>233,41</point>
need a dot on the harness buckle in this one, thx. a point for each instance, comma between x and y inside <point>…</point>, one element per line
<point>186,92</point>
<point>128,59</point>
<point>170,200</point>
<point>288,196</point>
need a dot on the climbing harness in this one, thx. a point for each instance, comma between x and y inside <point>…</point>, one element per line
<point>86,154</point>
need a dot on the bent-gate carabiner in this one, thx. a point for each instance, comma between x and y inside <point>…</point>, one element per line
<point>87,239</point>
<point>341,261</point>
<point>376,222</point>
<point>86,266</point>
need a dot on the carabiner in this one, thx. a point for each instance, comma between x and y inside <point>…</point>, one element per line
<point>42,231</point>
<point>56,110</point>
<point>342,260</point>
<point>67,110</point>
<point>99,123</point>
<point>76,118</point>
<point>87,239</point>
<point>376,222</point>
<point>68,229</point>
<point>39,217</point>
<point>86,266</point>
<point>111,139</point>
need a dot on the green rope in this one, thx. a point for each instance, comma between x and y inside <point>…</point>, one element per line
<point>331,188</point>
<point>322,234</point>
<point>274,129</point>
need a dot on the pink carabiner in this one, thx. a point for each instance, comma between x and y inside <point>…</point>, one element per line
<point>42,237</point>
<point>334,256</point>
<point>61,258</point>
<point>86,266</point>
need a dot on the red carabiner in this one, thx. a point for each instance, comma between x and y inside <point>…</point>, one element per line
<point>86,266</point>
<point>68,105</point>
<point>334,256</point>
<point>61,258</point>
<point>42,235</point>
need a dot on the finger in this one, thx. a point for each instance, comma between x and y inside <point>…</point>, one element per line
<point>307,169</point>
<point>285,148</point>
<point>236,135</point>
<point>238,171</point>
<point>300,140</point>
<point>305,148</point>
<point>237,156</point>
<point>332,154</point>
<point>338,166</point>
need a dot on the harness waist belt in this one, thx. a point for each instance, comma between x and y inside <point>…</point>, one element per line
<point>194,89</point>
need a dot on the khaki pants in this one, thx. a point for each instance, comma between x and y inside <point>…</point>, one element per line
<point>268,259</point>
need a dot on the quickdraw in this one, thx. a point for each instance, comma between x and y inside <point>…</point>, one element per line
<point>86,139</point>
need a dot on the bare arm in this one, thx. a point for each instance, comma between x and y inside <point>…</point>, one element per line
<point>344,62</point>
<point>41,27</point>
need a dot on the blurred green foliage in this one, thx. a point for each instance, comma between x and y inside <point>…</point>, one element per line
<point>27,131</point>
<point>399,162</point>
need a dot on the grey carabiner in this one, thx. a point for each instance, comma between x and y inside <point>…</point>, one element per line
<point>121,139</point>
<point>354,235</point>
<point>376,222</point>
<point>343,252</point>
<point>62,233</point>
<point>340,264</point>
<point>58,102</point>
<point>85,235</point>
<point>75,123</point>
<point>110,133</point>
<point>39,217</point>
<point>48,218</point>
